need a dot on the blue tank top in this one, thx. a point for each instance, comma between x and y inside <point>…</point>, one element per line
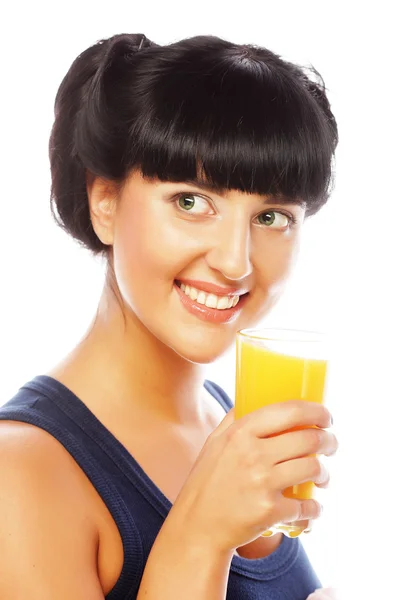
<point>137,505</point>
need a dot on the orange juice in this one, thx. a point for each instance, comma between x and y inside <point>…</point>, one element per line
<point>276,370</point>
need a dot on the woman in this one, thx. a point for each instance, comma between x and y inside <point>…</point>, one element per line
<point>191,168</point>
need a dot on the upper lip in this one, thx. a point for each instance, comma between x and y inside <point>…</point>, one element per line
<point>212,288</point>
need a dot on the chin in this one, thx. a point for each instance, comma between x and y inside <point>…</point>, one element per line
<point>204,352</point>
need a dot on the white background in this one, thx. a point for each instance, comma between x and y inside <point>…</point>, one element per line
<point>346,280</point>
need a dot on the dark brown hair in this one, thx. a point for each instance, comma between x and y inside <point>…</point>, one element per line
<point>253,121</point>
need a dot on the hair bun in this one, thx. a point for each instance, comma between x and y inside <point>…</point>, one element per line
<point>127,42</point>
<point>145,42</point>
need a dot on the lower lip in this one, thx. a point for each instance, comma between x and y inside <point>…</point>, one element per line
<point>212,315</point>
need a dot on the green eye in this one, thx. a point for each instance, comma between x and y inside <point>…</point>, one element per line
<point>270,218</point>
<point>193,204</point>
<point>186,202</point>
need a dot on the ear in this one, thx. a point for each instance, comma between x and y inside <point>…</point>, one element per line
<point>102,196</point>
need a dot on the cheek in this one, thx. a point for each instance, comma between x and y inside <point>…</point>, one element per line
<point>274,265</point>
<point>151,248</point>
<point>272,268</point>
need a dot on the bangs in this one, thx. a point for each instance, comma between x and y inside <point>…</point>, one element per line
<point>201,110</point>
<point>239,124</point>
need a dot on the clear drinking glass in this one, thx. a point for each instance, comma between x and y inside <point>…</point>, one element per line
<point>277,365</point>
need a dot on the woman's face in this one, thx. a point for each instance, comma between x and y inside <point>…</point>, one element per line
<point>195,266</point>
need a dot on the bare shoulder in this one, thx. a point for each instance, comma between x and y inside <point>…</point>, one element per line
<point>31,454</point>
<point>48,538</point>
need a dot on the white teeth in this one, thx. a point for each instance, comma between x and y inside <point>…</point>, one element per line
<point>210,300</point>
<point>201,298</point>
<point>223,302</point>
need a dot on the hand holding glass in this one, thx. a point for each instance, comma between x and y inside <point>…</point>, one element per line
<point>277,365</point>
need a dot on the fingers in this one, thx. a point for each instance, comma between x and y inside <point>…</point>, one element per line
<point>305,525</point>
<point>297,444</point>
<point>226,422</point>
<point>279,417</point>
<point>309,510</point>
<point>299,471</point>
<point>298,510</point>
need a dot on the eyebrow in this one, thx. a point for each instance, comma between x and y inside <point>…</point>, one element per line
<point>209,187</point>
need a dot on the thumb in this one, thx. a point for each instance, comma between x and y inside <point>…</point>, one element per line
<point>226,422</point>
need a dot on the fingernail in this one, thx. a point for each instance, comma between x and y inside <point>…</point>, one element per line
<point>331,420</point>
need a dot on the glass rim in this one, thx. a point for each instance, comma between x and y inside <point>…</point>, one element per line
<point>275,334</point>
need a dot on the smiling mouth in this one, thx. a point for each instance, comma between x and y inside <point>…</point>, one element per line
<point>208,300</point>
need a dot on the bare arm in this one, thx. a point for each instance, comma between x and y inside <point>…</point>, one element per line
<point>232,495</point>
<point>180,567</point>
<point>48,542</point>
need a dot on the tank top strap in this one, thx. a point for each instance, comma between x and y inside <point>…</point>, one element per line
<point>25,408</point>
<point>219,394</point>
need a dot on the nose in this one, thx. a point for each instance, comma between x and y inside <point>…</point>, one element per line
<point>230,251</point>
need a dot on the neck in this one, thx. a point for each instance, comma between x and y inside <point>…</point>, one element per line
<point>120,359</point>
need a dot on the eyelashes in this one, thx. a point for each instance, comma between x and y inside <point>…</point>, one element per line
<point>189,203</point>
<point>195,205</point>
